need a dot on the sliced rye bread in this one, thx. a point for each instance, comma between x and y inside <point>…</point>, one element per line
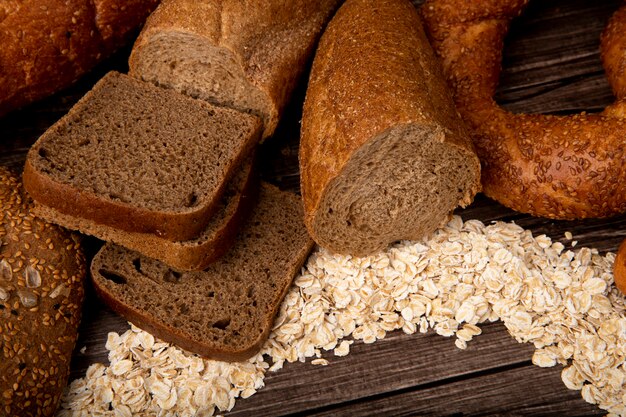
<point>190,255</point>
<point>227,311</point>
<point>140,158</point>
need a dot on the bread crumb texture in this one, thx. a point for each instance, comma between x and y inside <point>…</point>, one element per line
<point>42,269</point>
<point>467,273</point>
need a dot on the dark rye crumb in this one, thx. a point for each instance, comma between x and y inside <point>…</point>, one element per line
<point>42,270</point>
<point>226,311</point>
<point>189,255</point>
<point>140,158</point>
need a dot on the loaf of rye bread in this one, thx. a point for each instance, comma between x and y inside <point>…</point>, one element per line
<point>42,270</point>
<point>383,154</point>
<point>47,45</point>
<point>226,311</point>
<point>140,158</point>
<point>246,55</point>
<point>191,255</point>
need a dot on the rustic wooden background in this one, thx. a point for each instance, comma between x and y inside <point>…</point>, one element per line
<point>551,65</point>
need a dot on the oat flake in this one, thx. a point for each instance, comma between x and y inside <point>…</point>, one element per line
<point>564,302</point>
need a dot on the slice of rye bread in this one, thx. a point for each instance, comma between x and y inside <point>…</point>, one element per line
<point>227,311</point>
<point>189,255</point>
<point>140,158</point>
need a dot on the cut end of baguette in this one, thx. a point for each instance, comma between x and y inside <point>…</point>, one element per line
<point>402,184</point>
<point>192,66</point>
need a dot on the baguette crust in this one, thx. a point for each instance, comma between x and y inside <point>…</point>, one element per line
<point>561,167</point>
<point>42,271</point>
<point>47,46</point>
<point>270,41</point>
<point>374,75</point>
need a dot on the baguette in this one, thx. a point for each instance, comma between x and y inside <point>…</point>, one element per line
<point>42,271</point>
<point>383,153</point>
<point>48,45</point>
<point>246,55</point>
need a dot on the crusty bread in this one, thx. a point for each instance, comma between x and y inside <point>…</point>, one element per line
<point>47,45</point>
<point>557,166</point>
<point>191,255</point>
<point>140,158</point>
<point>246,55</point>
<point>383,153</point>
<point>42,270</point>
<point>225,312</point>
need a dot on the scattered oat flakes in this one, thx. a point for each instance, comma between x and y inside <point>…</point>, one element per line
<point>563,302</point>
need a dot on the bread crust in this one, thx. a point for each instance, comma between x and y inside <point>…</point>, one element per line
<point>373,72</point>
<point>561,167</point>
<point>271,40</point>
<point>47,46</point>
<point>42,271</point>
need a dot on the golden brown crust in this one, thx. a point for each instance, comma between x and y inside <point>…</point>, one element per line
<point>42,269</point>
<point>272,40</point>
<point>46,46</point>
<point>563,167</point>
<point>619,268</point>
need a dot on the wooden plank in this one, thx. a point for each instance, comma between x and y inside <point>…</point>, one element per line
<point>397,362</point>
<point>524,391</point>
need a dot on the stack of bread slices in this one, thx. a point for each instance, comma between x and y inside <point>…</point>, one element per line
<point>160,164</point>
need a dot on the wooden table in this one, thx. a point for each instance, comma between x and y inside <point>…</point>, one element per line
<point>551,65</point>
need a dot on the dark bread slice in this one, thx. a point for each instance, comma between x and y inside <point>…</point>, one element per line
<point>225,312</point>
<point>42,271</point>
<point>140,158</point>
<point>189,255</point>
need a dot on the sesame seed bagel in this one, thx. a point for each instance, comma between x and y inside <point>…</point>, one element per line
<point>42,269</point>
<point>560,167</point>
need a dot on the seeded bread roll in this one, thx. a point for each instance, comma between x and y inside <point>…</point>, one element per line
<point>189,255</point>
<point>246,55</point>
<point>42,270</point>
<point>140,158</point>
<point>383,153</point>
<point>225,312</point>
<point>47,45</point>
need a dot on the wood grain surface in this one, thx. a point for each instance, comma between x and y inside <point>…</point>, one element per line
<point>551,65</point>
